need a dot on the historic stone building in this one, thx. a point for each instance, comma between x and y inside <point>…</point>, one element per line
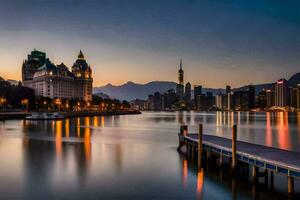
<point>49,80</point>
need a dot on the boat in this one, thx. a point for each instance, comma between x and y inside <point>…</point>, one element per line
<point>45,116</point>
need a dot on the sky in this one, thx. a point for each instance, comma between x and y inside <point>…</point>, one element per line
<point>221,42</point>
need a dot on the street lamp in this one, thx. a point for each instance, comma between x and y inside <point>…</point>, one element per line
<point>102,106</point>
<point>78,105</point>
<point>3,101</point>
<point>25,102</point>
<point>58,103</point>
<point>45,104</point>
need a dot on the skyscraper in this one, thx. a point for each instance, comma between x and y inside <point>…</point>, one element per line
<point>180,73</point>
<point>295,97</point>
<point>244,100</point>
<point>158,101</point>
<point>281,93</point>
<point>227,99</point>
<point>169,99</point>
<point>180,86</point>
<point>218,101</point>
<point>262,99</point>
<point>197,92</point>
<point>188,93</point>
<point>269,98</point>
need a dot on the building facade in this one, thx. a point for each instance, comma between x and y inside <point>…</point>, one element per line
<point>197,92</point>
<point>188,93</point>
<point>281,93</point>
<point>218,101</point>
<point>262,99</point>
<point>244,100</point>
<point>269,98</point>
<point>56,81</point>
<point>295,97</point>
<point>158,101</point>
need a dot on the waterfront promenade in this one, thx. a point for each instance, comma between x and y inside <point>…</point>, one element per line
<point>22,115</point>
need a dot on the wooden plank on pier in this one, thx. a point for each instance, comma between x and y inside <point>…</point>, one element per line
<point>282,161</point>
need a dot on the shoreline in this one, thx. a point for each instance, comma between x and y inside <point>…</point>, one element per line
<point>22,115</point>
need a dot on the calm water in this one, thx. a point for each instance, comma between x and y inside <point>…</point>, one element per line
<point>133,157</point>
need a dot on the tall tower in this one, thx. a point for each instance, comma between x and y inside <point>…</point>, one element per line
<point>83,75</point>
<point>180,86</point>
<point>281,93</point>
<point>180,73</point>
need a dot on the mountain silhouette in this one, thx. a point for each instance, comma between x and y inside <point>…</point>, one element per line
<point>294,80</point>
<point>131,90</point>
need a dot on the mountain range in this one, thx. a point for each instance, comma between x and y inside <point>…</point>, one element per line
<point>131,90</point>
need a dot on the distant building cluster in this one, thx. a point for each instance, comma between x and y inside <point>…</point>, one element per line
<point>57,81</point>
<point>279,97</point>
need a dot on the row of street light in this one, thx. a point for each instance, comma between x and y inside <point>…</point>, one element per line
<point>59,103</point>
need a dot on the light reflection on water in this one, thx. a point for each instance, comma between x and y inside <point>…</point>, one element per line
<point>130,156</point>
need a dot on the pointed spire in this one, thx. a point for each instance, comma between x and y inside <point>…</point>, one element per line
<point>80,56</point>
<point>180,64</point>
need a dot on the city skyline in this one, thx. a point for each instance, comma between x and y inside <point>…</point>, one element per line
<point>153,36</point>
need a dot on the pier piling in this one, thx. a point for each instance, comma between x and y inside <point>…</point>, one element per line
<point>221,160</point>
<point>271,179</point>
<point>290,185</point>
<point>249,155</point>
<point>255,173</point>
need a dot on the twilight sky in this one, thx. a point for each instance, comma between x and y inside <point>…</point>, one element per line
<point>221,42</point>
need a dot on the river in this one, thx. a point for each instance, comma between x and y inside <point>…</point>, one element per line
<point>133,156</point>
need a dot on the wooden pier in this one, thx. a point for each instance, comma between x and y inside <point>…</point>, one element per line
<point>256,156</point>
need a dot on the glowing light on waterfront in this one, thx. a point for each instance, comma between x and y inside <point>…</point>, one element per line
<point>218,123</point>
<point>87,128</point>
<point>87,138</point>
<point>200,181</point>
<point>268,129</point>
<point>78,127</point>
<point>283,130</point>
<point>102,121</point>
<point>58,138</point>
<point>67,128</point>
<point>184,172</point>
<point>96,122</point>
<point>25,102</point>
